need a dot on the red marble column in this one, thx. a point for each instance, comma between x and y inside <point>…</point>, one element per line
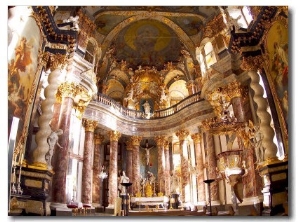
<point>238,108</point>
<point>211,166</point>
<point>185,176</point>
<point>113,168</point>
<point>167,169</point>
<point>160,141</point>
<point>61,155</point>
<point>87,170</point>
<point>136,174</point>
<point>199,167</point>
<point>129,164</point>
<point>55,118</point>
<point>97,167</point>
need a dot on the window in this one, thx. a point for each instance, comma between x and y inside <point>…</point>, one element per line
<point>242,15</point>
<point>210,57</point>
<point>89,53</point>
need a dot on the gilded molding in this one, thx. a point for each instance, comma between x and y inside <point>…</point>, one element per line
<point>129,145</point>
<point>57,61</point>
<point>38,166</point>
<point>114,136</point>
<point>89,125</point>
<point>252,63</point>
<point>34,206</point>
<point>160,140</point>
<point>67,89</point>
<point>196,137</point>
<point>182,134</point>
<point>136,140</point>
<point>33,183</point>
<point>37,175</point>
<point>79,110</point>
<point>213,27</point>
<point>98,138</point>
<point>87,29</point>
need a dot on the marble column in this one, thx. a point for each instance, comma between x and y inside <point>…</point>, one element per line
<point>191,87</point>
<point>113,168</point>
<point>199,168</point>
<point>87,170</point>
<point>211,166</point>
<point>97,195</point>
<point>167,169</point>
<point>253,65</point>
<point>61,155</point>
<point>264,116</point>
<point>160,141</point>
<point>129,164</point>
<point>236,95</point>
<point>57,63</point>
<point>136,174</point>
<point>185,177</point>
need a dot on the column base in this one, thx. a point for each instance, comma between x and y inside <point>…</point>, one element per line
<point>60,209</point>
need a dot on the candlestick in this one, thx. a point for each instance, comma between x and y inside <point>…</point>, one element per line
<point>21,159</point>
<point>160,186</point>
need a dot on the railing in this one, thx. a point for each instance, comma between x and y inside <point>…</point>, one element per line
<point>107,101</point>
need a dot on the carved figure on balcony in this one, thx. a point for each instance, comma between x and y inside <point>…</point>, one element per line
<point>147,109</point>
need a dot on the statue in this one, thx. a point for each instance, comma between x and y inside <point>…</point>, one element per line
<point>123,179</point>
<point>174,183</point>
<point>52,141</point>
<point>147,107</point>
<point>147,150</point>
<point>151,177</point>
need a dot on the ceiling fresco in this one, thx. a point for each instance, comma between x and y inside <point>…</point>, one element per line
<point>147,43</point>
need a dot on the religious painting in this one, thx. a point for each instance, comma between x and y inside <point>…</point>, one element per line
<point>23,47</point>
<point>277,46</point>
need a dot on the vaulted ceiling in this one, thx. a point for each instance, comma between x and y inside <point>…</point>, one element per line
<point>155,39</point>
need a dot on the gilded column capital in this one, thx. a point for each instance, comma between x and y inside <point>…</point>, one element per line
<point>81,100</point>
<point>98,138</point>
<point>252,63</point>
<point>66,89</point>
<point>57,61</point>
<point>89,125</point>
<point>182,134</point>
<point>114,136</point>
<point>196,137</point>
<point>79,111</point>
<point>136,140</point>
<point>129,145</point>
<point>160,140</point>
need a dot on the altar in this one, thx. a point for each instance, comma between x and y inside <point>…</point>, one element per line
<point>148,201</point>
